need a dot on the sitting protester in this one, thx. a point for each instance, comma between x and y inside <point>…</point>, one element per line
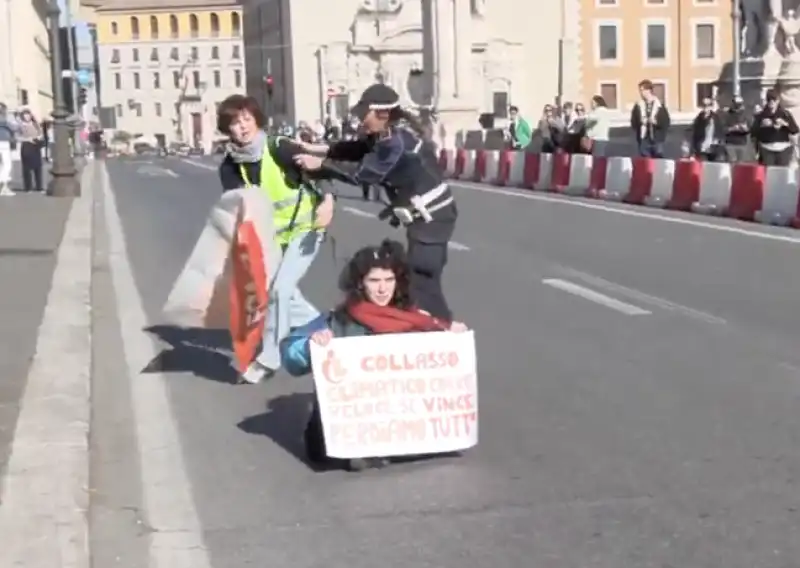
<point>375,284</point>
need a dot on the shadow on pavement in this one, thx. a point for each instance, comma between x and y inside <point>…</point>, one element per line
<point>193,350</point>
<point>284,422</point>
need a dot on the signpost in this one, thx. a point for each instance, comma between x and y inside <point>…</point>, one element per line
<point>84,77</point>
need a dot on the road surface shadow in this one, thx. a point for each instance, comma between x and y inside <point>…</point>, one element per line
<point>284,423</point>
<point>193,350</point>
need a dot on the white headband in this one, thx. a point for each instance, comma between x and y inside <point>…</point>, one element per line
<point>378,106</point>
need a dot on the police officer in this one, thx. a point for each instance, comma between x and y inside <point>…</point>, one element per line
<point>397,159</point>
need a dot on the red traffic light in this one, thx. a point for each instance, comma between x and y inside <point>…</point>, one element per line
<point>269,80</point>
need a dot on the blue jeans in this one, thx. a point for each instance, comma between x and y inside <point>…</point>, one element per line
<point>651,149</point>
<point>287,308</point>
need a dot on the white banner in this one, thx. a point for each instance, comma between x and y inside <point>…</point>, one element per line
<point>398,394</point>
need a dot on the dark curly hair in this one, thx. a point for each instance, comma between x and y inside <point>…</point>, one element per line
<point>390,255</point>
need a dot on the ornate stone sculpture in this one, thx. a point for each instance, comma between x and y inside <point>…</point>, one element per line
<point>790,26</point>
<point>381,6</point>
<point>479,7</point>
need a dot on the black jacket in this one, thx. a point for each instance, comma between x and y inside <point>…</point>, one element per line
<point>404,166</point>
<point>657,132</point>
<point>699,130</point>
<point>737,126</point>
<point>765,130</point>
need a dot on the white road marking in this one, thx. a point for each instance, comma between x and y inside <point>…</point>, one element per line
<point>171,173</point>
<point>359,212</point>
<point>452,245</point>
<point>596,297</point>
<point>199,164</point>
<point>176,539</point>
<point>44,498</point>
<point>640,296</point>
<point>530,195</point>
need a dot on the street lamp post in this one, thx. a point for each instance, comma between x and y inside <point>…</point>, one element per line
<point>737,49</point>
<point>64,182</point>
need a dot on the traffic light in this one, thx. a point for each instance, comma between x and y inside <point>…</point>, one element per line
<point>82,96</point>
<point>270,84</point>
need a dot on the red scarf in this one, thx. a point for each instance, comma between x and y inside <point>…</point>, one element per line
<point>386,319</point>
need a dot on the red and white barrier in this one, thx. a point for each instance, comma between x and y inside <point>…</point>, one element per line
<point>749,192</point>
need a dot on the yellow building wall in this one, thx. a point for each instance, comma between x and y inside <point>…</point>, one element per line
<point>123,20</point>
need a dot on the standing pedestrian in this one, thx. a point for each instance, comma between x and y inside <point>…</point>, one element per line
<point>650,122</point>
<point>31,140</point>
<point>8,134</point>
<point>773,129</point>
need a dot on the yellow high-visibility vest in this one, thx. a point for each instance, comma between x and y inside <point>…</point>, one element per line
<point>293,208</point>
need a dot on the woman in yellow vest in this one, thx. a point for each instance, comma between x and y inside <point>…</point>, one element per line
<point>302,212</point>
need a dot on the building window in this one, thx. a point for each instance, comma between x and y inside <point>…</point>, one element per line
<point>702,91</point>
<point>174,28</point>
<point>214,52</point>
<point>23,97</point>
<point>156,80</point>
<point>660,91</point>
<point>237,78</point>
<point>704,37</point>
<point>176,79</point>
<point>606,2</point>
<point>196,79</point>
<point>608,42</point>
<point>115,56</point>
<point>114,28</point>
<point>500,104</point>
<point>174,54</point>
<point>195,53</point>
<point>656,42</point>
<point>117,81</point>
<point>236,53</point>
<point>194,25</point>
<point>134,27</point>
<point>135,55</point>
<point>609,93</point>
<point>158,109</point>
<point>153,27</point>
<point>136,81</point>
<point>217,79</point>
<point>154,54</point>
<point>214,25</point>
<point>236,24</point>
<point>119,110</point>
<point>138,109</point>
<point>657,2</point>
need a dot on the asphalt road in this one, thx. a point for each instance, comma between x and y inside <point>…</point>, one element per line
<point>640,387</point>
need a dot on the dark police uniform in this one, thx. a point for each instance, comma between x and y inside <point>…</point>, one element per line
<point>407,169</point>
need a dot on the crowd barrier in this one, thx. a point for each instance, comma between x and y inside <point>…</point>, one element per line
<point>749,192</point>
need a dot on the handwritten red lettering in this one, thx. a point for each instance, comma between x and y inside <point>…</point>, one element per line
<point>454,426</point>
<point>361,410</point>
<point>441,404</point>
<point>409,362</point>
<point>359,390</point>
<point>388,432</point>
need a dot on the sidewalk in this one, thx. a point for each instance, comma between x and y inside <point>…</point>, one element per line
<point>31,227</point>
<point>45,361</point>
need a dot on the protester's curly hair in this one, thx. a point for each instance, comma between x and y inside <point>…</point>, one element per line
<point>390,255</point>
